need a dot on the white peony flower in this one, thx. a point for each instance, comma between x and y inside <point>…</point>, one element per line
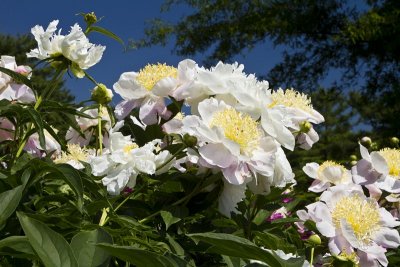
<point>148,88</point>
<point>74,46</point>
<point>11,90</point>
<point>88,126</point>
<point>327,174</point>
<point>124,160</point>
<point>75,156</point>
<point>381,168</point>
<point>34,148</point>
<point>354,224</point>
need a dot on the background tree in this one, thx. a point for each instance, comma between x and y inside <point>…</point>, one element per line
<point>360,43</point>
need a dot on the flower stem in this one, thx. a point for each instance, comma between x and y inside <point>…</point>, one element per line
<point>100,135</point>
<point>312,256</point>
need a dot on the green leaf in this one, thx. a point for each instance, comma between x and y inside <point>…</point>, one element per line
<point>83,245</point>
<point>50,246</point>
<point>169,218</point>
<point>175,246</point>
<point>106,33</point>
<point>38,122</point>
<point>9,201</point>
<point>235,246</point>
<point>18,246</point>
<point>137,256</point>
<point>17,76</point>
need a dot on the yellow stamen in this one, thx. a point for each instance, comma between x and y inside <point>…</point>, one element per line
<point>153,73</point>
<point>291,98</point>
<point>130,147</point>
<point>75,153</point>
<point>330,163</point>
<point>361,214</point>
<point>238,127</point>
<point>392,157</point>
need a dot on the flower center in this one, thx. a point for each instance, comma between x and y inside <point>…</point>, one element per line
<point>328,164</point>
<point>129,147</point>
<point>361,214</point>
<point>152,74</point>
<point>75,153</point>
<point>238,127</point>
<point>392,157</point>
<point>291,98</point>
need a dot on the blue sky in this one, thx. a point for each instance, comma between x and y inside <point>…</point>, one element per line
<point>127,19</point>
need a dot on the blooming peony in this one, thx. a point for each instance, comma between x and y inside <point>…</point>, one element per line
<point>10,89</point>
<point>74,46</point>
<point>354,224</point>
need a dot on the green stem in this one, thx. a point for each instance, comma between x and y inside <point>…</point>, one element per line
<point>100,135</point>
<point>172,157</point>
<point>312,256</point>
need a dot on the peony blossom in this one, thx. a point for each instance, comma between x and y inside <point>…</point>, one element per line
<point>75,156</point>
<point>354,224</point>
<point>123,160</point>
<point>380,168</point>
<point>34,148</point>
<point>74,46</point>
<point>148,88</point>
<point>327,174</point>
<point>10,89</point>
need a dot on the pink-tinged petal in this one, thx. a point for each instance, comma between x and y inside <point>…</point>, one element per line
<point>348,233</point>
<point>339,244</point>
<point>364,153</point>
<point>388,238</point>
<point>230,196</point>
<point>151,109</point>
<point>164,87</point>
<point>124,108</point>
<point>387,218</point>
<point>370,255</point>
<point>379,163</point>
<point>303,215</point>
<point>318,186</point>
<point>311,169</point>
<point>236,173</point>
<point>389,184</point>
<point>216,155</point>
<point>363,173</point>
<point>128,88</point>
<point>374,191</point>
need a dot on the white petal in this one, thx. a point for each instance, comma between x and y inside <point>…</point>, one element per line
<point>216,155</point>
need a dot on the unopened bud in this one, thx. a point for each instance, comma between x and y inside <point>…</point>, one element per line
<point>366,141</point>
<point>189,140</point>
<point>305,127</point>
<point>90,18</point>
<point>353,157</point>
<point>101,94</point>
<point>314,240</point>
<point>394,140</point>
<point>353,162</point>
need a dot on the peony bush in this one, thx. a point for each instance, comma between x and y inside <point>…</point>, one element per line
<point>189,169</point>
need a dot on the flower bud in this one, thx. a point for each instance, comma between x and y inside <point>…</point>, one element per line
<point>366,141</point>
<point>305,127</point>
<point>353,157</point>
<point>189,140</point>
<point>394,140</point>
<point>101,94</point>
<point>90,18</point>
<point>314,240</point>
<point>353,162</point>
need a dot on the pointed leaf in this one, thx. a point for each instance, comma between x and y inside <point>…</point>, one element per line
<point>235,246</point>
<point>83,245</point>
<point>19,245</point>
<point>106,33</point>
<point>9,201</point>
<point>50,246</point>
<point>137,256</point>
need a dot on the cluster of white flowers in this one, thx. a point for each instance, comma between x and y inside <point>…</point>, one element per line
<point>358,228</point>
<point>239,123</point>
